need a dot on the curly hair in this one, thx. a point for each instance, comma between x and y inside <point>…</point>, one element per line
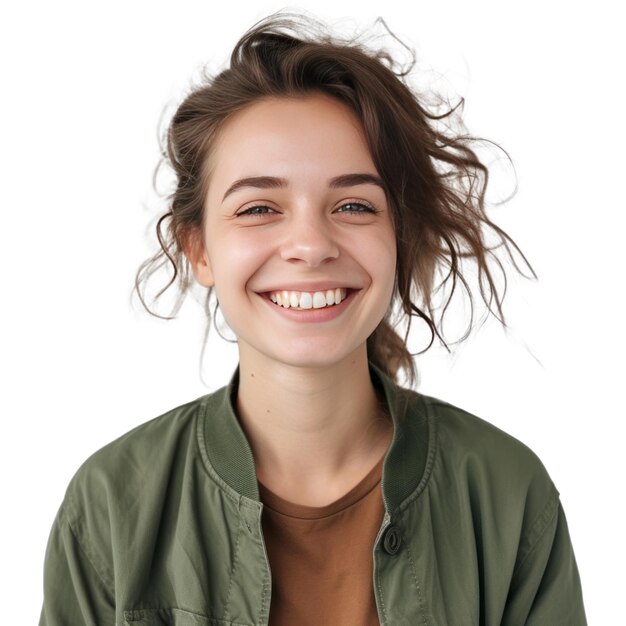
<point>434,181</point>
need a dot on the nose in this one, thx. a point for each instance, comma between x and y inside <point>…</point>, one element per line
<point>310,240</point>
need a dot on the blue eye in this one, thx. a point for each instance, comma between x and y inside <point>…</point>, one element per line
<point>258,210</point>
<point>357,207</point>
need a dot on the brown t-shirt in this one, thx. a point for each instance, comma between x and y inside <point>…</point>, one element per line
<point>321,557</point>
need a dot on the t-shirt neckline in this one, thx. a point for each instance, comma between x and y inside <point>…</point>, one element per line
<point>291,509</point>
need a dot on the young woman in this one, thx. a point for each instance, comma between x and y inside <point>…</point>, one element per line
<point>317,200</point>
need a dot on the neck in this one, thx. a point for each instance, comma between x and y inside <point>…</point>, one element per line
<point>311,424</point>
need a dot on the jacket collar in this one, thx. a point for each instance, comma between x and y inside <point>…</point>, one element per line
<point>407,462</point>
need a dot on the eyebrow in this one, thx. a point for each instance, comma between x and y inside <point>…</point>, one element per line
<point>273,182</point>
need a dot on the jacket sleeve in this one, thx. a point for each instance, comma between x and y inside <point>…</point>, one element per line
<point>75,594</point>
<point>545,588</point>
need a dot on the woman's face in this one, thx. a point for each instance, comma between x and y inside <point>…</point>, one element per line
<point>302,230</point>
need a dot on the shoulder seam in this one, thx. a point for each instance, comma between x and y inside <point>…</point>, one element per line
<point>88,553</point>
<point>537,529</point>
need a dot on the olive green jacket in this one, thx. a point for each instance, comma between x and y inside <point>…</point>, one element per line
<point>163,526</point>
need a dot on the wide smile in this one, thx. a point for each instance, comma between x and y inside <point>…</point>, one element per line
<point>303,300</point>
<point>310,306</point>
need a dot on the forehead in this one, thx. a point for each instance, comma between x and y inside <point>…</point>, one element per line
<point>308,136</point>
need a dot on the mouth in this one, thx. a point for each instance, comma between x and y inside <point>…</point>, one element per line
<point>306,300</point>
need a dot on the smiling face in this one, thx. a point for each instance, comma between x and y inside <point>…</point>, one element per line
<point>282,250</point>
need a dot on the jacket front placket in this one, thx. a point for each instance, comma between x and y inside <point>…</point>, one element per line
<point>397,580</point>
<point>231,463</point>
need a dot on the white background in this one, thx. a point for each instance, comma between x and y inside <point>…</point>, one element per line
<point>84,85</point>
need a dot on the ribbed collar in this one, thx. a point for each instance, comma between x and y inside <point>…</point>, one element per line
<point>407,462</point>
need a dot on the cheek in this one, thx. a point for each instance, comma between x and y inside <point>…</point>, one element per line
<point>384,265</point>
<point>238,256</point>
<point>236,262</point>
<point>381,254</point>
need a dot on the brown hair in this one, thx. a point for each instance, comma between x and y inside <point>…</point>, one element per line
<point>434,181</point>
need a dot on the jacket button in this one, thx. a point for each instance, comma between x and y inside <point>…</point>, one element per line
<point>392,540</point>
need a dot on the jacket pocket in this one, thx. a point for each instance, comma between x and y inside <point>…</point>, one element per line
<point>170,617</point>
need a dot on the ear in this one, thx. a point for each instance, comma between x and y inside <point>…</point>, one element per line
<point>198,258</point>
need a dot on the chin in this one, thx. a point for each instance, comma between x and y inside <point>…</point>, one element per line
<point>304,352</point>
<point>319,358</point>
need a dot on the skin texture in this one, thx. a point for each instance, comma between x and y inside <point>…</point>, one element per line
<point>305,398</point>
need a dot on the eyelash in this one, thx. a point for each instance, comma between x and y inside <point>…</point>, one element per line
<point>369,209</point>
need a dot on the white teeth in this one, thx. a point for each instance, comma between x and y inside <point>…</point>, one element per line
<point>308,300</point>
<point>319,300</point>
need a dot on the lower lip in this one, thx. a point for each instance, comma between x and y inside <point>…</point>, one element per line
<point>325,314</point>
